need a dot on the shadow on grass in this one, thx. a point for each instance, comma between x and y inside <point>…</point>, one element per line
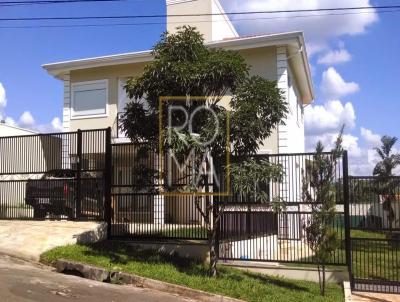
<point>276,282</point>
<point>120,253</point>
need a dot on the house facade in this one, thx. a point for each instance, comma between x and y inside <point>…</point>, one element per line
<point>93,87</point>
<point>94,96</point>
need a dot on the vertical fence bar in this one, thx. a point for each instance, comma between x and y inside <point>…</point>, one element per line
<point>79,175</point>
<point>107,182</point>
<point>346,200</point>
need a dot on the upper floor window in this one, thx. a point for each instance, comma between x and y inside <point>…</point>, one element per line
<point>89,98</point>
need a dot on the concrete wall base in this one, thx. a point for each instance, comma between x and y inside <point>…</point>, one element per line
<point>197,250</point>
<point>290,272</point>
<point>96,234</point>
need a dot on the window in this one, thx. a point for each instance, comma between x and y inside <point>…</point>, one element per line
<point>89,98</point>
<point>123,98</point>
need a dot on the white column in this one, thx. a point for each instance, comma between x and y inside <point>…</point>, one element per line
<point>283,135</point>
<point>68,147</point>
<point>158,202</point>
<point>282,82</point>
<point>67,102</point>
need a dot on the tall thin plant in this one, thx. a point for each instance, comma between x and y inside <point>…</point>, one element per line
<point>319,190</point>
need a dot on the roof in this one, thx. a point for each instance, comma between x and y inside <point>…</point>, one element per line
<point>18,128</point>
<point>293,40</point>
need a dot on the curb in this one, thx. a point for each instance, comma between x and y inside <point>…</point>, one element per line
<point>103,275</point>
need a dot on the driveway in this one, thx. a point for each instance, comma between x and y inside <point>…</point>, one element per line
<point>21,281</point>
<point>28,239</point>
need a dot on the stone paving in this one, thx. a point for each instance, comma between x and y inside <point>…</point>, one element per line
<point>29,239</point>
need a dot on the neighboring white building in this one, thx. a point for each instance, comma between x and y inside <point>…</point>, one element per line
<point>10,130</point>
<point>12,191</point>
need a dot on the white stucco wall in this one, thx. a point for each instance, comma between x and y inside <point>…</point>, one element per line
<point>259,248</point>
<point>213,27</point>
<point>295,119</point>
<point>291,133</point>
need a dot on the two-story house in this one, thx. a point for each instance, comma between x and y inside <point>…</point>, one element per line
<point>93,87</point>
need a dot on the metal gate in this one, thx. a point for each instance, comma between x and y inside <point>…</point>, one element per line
<point>54,176</point>
<point>139,209</point>
<point>251,230</point>
<point>375,234</point>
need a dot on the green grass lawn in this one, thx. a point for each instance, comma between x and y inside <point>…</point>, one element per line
<point>373,259</point>
<point>231,282</point>
<point>367,234</point>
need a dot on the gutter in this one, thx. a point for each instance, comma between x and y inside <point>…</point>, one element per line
<point>307,66</point>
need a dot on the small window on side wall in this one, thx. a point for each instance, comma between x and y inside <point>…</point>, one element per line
<point>89,99</point>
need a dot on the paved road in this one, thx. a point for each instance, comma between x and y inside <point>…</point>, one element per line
<point>21,281</point>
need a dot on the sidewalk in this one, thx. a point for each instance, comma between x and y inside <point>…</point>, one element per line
<point>29,239</point>
<point>374,297</point>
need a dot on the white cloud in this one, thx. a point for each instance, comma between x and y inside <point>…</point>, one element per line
<point>318,27</point>
<point>10,121</point>
<point>350,142</point>
<point>3,99</point>
<point>333,57</point>
<point>329,117</point>
<point>372,139</point>
<point>57,124</point>
<point>361,160</point>
<point>323,122</point>
<point>333,86</point>
<point>26,119</point>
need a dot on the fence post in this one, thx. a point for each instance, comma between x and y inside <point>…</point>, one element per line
<point>79,175</point>
<point>346,197</point>
<point>107,182</point>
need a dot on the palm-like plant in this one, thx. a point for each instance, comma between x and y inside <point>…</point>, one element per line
<point>386,182</point>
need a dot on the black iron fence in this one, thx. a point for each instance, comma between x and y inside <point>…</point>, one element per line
<point>248,229</point>
<point>274,228</point>
<point>374,212</point>
<point>140,209</point>
<point>375,203</point>
<point>83,176</point>
<point>56,175</point>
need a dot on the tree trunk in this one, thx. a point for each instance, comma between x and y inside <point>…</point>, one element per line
<point>323,280</point>
<point>319,278</point>
<point>213,253</point>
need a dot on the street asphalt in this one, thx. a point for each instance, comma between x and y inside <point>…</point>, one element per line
<point>22,281</point>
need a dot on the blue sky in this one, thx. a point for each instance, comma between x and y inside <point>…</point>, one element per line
<point>354,60</point>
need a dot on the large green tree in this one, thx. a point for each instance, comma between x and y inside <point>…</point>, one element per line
<point>184,67</point>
